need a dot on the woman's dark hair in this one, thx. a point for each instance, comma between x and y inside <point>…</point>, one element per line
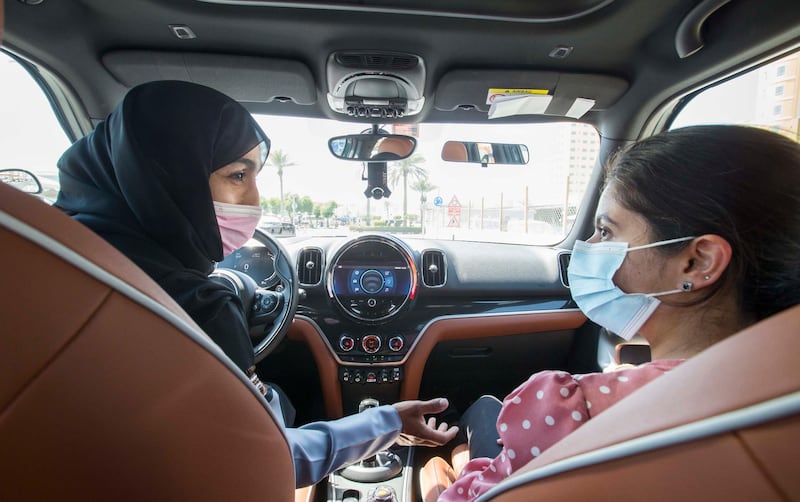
<point>741,183</point>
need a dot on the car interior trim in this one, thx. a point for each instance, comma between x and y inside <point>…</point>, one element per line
<point>441,268</point>
<point>68,255</point>
<point>477,326</point>
<point>305,330</point>
<point>288,78</point>
<point>689,36</point>
<point>509,323</point>
<point>773,409</point>
<point>467,87</point>
<point>578,10</point>
<point>440,329</point>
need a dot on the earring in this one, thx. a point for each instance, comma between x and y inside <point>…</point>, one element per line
<point>707,277</point>
<point>687,286</point>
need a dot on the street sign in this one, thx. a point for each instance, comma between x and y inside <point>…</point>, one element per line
<point>454,221</point>
<point>454,207</point>
<point>438,201</point>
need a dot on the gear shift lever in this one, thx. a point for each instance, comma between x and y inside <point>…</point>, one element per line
<point>382,466</point>
<point>366,404</point>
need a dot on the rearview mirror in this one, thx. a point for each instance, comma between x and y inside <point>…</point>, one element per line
<point>21,180</point>
<point>485,153</point>
<point>372,147</point>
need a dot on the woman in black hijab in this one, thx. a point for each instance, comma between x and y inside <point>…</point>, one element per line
<point>141,181</point>
<point>169,180</point>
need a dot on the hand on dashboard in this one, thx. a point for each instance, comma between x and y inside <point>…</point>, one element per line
<point>417,431</point>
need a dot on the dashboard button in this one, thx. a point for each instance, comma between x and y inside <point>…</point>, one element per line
<point>396,343</point>
<point>371,344</point>
<point>346,343</point>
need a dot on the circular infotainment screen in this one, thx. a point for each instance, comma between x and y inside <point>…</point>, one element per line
<point>372,278</point>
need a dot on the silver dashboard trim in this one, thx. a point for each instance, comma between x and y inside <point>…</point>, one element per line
<point>422,333</point>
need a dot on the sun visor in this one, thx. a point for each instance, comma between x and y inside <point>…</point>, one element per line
<point>527,92</point>
<point>244,78</point>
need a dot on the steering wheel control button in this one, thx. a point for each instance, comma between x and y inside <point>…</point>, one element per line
<point>269,302</point>
<point>371,344</point>
<point>346,343</point>
<point>396,343</point>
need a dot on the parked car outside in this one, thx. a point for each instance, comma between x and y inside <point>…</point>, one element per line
<point>275,226</point>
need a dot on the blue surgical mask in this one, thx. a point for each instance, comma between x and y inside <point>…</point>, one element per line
<point>590,272</point>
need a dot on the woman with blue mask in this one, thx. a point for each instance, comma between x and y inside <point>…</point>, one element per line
<point>697,236</point>
<point>169,179</point>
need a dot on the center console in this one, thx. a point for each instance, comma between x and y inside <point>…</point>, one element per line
<point>384,477</point>
<point>396,487</point>
<point>372,281</point>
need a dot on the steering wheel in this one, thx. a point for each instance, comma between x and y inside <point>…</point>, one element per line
<point>271,305</point>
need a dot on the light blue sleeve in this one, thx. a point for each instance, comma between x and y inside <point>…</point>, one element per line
<point>319,448</point>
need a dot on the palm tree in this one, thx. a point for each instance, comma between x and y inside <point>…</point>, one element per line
<point>423,186</point>
<point>280,160</point>
<point>403,169</point>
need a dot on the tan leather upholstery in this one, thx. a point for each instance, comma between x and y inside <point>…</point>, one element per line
<point>434,478</point>
<point>749,462</point>
<point>109,391</point>
<point>437,475</point>
<point>459,457</point>
<point>725,425</point>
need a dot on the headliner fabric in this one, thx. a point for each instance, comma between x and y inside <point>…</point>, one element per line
<point>141,181</point>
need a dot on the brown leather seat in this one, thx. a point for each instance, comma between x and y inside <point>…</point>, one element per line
<point>725,425</point>
<point>109,390</point>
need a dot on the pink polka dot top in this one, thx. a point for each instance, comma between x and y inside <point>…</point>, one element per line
<point>540,412</point>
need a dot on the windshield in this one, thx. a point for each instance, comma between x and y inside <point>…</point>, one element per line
<point>430,197</point>
<point>308,191</point>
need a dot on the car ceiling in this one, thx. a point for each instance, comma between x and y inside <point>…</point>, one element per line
<point>263,52</point>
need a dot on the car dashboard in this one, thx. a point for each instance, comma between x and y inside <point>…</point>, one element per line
<point>394,318</point>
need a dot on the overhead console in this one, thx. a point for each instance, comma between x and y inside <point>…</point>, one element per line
<point>377,85</point>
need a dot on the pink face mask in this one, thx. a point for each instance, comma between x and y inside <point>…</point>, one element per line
<point>236,224</point>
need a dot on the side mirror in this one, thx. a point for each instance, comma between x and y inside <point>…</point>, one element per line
<point>372,147</point>
<point>485,153</point>
<point>21,180</point>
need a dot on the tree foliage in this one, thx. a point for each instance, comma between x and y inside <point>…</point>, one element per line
<point>404,169</point>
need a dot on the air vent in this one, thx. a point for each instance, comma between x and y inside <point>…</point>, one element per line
<point>434,269</point>
<point>309,266</point>
<point>376,61</point>
<point>563,264</point>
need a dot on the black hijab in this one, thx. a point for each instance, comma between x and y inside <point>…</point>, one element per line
<point>141,181</point>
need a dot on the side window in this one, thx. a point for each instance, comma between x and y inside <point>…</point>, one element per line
<point>30,136</point>
<point>768,96</point>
